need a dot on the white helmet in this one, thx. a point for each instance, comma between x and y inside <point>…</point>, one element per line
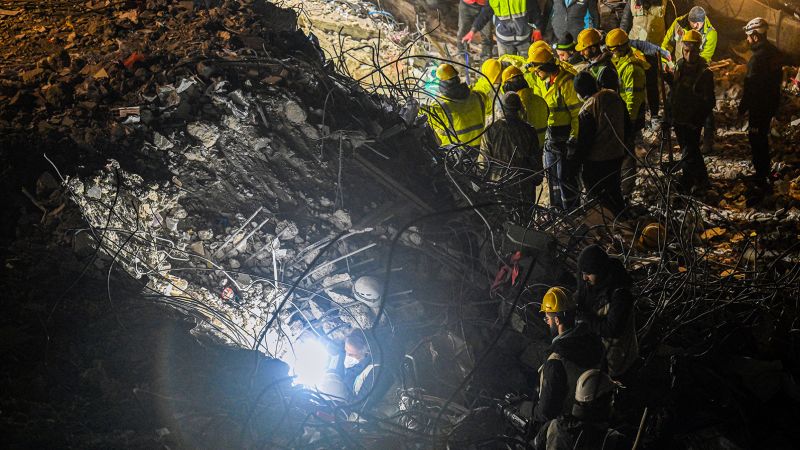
<point>368,290</point>
<point>757,25</point>
<point>592,384</point>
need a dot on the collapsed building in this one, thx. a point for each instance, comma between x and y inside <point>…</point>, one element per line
<point>195,188</point>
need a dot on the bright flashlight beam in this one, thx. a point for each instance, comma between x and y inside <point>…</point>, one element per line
<point>310,362</point>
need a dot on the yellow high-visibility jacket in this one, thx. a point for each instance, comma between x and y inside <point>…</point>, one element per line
<point>673,40</point>
<point>631,82</point>
<point>458,121</point>
<point>563,102</point>
<point>536,112</point>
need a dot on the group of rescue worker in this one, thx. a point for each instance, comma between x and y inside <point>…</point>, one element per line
<point>594,338</point>
<point>575,110</point>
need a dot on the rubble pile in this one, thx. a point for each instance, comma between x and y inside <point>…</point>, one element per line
<point>234,159</point>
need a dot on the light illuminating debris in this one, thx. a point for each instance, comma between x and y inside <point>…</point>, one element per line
<point>310,362</point>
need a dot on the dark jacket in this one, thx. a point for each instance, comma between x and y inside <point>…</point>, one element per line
<point>613,289</point>
<point>572,19</point>
<point>579,350</point>
<point>762,84</point>
<point>608,310</point>
<point>512,142</point>
<point>603,123</point>
<point>605,64</point>
<point>571,433</point>
<point>691,98</point>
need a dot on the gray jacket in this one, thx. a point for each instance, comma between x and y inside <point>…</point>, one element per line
<point>569,16</point>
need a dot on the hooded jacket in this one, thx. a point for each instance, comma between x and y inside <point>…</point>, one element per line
<point>607,309</point>
<point>572,353</point>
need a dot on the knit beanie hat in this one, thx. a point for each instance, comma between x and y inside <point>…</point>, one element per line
<point>593,260</point>
<point>512,102</point>
<point>566,43</point>
<point>585,84</point>
<point>697,14</point>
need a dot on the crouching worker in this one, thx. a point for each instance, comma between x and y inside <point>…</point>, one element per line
<point>574,350</point>
<point>355,378</point>
<point>587,428</point>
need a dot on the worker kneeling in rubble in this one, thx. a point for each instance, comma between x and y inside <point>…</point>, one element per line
<point>587,427</point>
<point>509,145</point>
<point>356,379</point>
<point>457,117</point>
<point>605,302</point>
<point>575,349</point>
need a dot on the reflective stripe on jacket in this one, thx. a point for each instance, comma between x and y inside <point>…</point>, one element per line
<point>563,102</point>
<point>631,83</point>
<point>458,121</point>
<point>673,40</point>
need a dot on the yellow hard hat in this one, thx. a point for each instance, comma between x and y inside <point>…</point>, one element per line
<point>616,37</point>
<point>557,299</point>
<point>541,56</point>
<point>587,38</point>
<point>510,73</point>
<point>652,236</point>
<point>491,68</point>
<point>692,36</point>
<point>536,46</point>
<point>446,72</point>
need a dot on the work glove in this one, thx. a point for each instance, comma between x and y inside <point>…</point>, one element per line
<point>468,37</point>
<point>536,35</point>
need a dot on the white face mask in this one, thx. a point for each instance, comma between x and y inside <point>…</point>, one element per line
<point>350,361</point>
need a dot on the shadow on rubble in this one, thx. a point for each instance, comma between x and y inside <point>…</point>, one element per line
<point>88,368</point>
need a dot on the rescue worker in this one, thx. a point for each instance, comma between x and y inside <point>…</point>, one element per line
<point>489,86</point>
<point>468,10</point>
<point>574,350</point>
<point>600,62</point>
<point>631,70</point>
<point>603,124</point>
<point>761,97</point>
<point>457,117</point>
<point>535,108</point>
<point>364,379</point>
<point>562,128</point>
<point>535,82</point>
<point>565,50</point>
<point>512,19</point>
<point>610,13</point>
<point>587,427</point>
<point>696,20</point>
<point>569,16</point>
<point>691,101</point>
<point>510,145</point>
<point>643,20</point>
<point>605,304</point>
